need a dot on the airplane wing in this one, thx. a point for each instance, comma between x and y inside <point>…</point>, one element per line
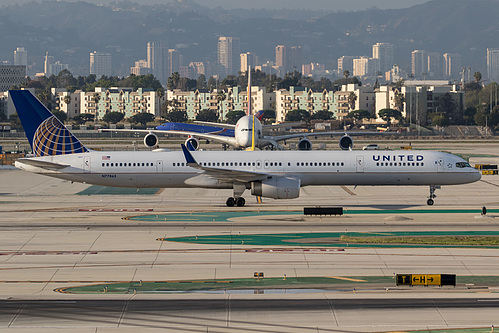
<point>215,137</point>
<point>303,135</point>
<point>281,125</point>
<point>224,175</point>
<point>42,164</point>
<point>229,126</point>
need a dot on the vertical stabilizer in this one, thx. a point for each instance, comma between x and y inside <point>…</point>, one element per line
<point>249,91</point>
<point>45,133</point>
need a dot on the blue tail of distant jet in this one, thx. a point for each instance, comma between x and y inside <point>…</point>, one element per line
<point>46,134</point>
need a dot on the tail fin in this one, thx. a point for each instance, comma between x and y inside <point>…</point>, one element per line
<point>46,134</point>
<point>259,115</point>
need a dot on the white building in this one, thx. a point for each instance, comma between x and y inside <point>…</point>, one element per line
<point>493,64</point>
<point>365,66</point>
<point>141,68</point>
<point>248,59</point>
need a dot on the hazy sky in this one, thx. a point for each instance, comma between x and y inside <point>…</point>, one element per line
<point>291,4</point>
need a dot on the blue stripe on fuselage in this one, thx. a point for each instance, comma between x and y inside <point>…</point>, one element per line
<point>196,128</point>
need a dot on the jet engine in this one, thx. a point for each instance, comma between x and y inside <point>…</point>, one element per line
<point>277,188</point>
<point>346,142</point>
<point>151,140</point>
<point>193,141</point>
<point>304,144</point>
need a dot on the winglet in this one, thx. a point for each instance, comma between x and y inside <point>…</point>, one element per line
<point>188,156</point>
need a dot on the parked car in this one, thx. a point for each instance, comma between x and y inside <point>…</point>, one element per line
<point>371,146</point>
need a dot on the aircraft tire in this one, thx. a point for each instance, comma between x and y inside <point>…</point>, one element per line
<point>240,202</point>
<point>230,202</point>
<point>430,202</point>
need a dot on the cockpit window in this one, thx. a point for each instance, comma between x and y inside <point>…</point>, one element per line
<point>463,165</point>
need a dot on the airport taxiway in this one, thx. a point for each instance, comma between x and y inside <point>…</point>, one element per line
<point>51,237</point>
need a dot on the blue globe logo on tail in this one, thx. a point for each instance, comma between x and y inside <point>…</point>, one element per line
<point>53,138</point>
<point>46,134</point>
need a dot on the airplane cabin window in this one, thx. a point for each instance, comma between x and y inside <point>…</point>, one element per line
<point>103,164</point>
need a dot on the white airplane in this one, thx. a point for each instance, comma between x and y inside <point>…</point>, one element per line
<point>272,174</point>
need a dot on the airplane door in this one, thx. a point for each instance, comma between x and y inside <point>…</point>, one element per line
<point>359,165</point>
<point>266,164</point>
<point>159,166</point>
<point>258,164</point>
<point>86,164</point>
<point>440,164</point>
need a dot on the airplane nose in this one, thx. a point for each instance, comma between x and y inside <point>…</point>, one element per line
<point>477,175</point>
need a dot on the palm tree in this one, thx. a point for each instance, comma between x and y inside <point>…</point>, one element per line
<point>346,74</point>
<point>221,96</point>
<point>477,76</point>
<point>399,100</point>
<point>352,98</point>
<point>96,101</point>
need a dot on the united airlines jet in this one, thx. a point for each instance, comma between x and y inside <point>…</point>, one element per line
<point>273,174</point>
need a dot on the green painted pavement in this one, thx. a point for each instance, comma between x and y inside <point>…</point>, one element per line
<point>227,215</point>
<point>461,330</point>
<point>250,283</point>
<point>104,190</point>
<point>325,239</point>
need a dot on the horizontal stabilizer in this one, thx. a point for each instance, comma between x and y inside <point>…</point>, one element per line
<point>42,164</point>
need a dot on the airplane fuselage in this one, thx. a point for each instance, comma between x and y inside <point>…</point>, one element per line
<point>163,169</point>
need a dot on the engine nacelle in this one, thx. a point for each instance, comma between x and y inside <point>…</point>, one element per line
<point>277,188</point>
<point>151,140</point>
<point>193,141</point>
<point>304,144</point>
<point>346,142</point>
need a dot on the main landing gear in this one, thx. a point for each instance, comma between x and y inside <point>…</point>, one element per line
<point>239,202</point>
<point>432,195</point>
<point>237,199</point>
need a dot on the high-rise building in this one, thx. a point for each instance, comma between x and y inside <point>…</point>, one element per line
<point>157,60</point>
<point>49,60</point>
<point>365,66</point>
<point>452,65</point>
<point>228,56</point>
<point>141,68</point>
<point>419,63</point>
<point>434,64</point>
<point>174,62</point>
<point>11,75</point>
<point>493,64</point>
<point>295,58</point>
<point>281,57</point>
<point>57,67</point>
<point>384,52</point>
<point>198,69</point>
<point>248,59</point>
<point>345,63</point>
<point>100,64</point>
<point>20,57</point>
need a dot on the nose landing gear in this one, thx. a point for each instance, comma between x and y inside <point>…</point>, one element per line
<point>432,195</point>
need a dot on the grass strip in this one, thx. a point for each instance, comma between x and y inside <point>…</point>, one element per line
<point>425,240</point>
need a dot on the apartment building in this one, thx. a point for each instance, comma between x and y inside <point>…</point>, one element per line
<point>104,100</point>
<point>235,100</point>
<point>304,99</point>
<point>365,99</point>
